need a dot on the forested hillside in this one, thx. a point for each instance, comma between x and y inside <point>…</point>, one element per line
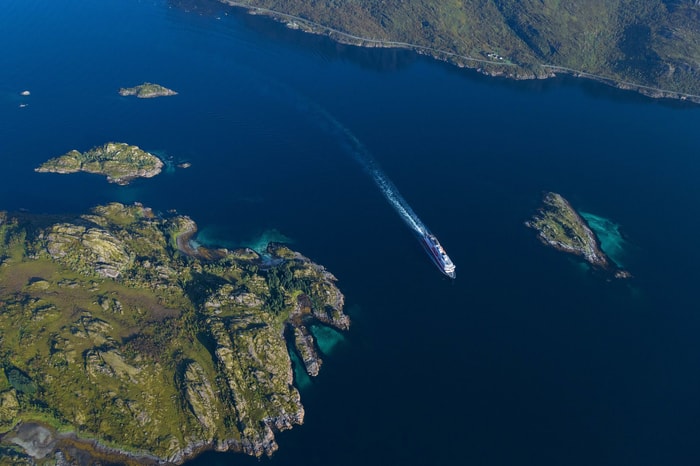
<point>653,43</point>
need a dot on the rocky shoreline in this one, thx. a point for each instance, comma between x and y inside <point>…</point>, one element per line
<point>119,162</point>
<point>561,227</point>
<point>37,442</point>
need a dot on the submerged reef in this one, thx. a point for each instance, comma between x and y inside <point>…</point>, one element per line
<point>118,161</point>
<point>561,227</point>
<point>147,91</point>
<point>121,342</point>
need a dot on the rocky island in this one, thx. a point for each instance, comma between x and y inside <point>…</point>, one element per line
<point>123,343</point>
<point>118,161</point>
<point>147,91</point>
<point>561,227</point>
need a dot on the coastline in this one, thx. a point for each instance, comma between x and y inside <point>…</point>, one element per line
<point>46,441</point>
<point>183,242</point>
<point>491,68</point>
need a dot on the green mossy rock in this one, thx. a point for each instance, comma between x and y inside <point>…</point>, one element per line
<point>147,91</point>
<point>561,227</point>
<point>119,162</point>
<point>113,332</point>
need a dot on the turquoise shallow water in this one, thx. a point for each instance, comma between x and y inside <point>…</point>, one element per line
<point>611,240</point>
<point>218,236</point>
<point>301,378</point>
<point>268,236</point>
<point>524,359</point>
<point>327,338</point>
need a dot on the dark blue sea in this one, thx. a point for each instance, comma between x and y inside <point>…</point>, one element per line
<point>527,358</point>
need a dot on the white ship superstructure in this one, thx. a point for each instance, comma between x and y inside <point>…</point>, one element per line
<point>438,255</point>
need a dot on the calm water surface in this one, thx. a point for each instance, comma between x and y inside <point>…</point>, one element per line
<point>527,358</point>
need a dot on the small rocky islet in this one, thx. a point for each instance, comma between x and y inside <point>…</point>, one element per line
<point>118,161</point>
<point>561,227</point>
<point>147,91</point>
<point>121,342</point>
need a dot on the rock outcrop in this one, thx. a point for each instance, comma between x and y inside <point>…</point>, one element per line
<point>119,162</point>
<point>147,91</point>
<point>561,227</point>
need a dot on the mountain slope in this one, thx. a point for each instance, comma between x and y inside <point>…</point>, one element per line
<point>652,43</point>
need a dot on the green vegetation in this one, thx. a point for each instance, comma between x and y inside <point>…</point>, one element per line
<point>119,162</point>
<point>561,227</point>
<point>113,332</point>
<point>559,224</point>
<point>654,43</point>
<point>147,91</point>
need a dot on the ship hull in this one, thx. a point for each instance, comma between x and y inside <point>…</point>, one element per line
<point>436,257</point>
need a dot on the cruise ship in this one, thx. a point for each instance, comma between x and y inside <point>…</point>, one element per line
<point>438,255</point>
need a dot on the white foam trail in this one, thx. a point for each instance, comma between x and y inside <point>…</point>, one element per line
<point>364,157</point>
<point>353,146</point>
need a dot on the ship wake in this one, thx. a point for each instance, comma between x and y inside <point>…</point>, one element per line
<point>361,154</point>
<point>355,147</point>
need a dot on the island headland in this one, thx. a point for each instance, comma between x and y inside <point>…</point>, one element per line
<point>118,161</point>
<point>124,343</point>
<point>561,227</point>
